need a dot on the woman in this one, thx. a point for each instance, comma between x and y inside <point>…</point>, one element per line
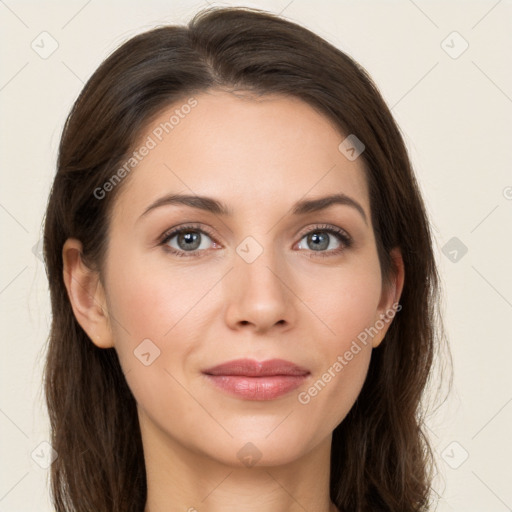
<point>242,280</point>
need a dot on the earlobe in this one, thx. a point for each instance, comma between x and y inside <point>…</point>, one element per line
<point>390,297</point>
<point>86,295</point>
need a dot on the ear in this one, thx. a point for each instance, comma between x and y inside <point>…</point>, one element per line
<point>389,298</point>
<point>86,295</point>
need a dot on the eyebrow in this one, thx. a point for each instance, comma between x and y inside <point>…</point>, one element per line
<point>218,208</point>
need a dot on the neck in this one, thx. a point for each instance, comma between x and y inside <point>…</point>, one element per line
<point>179,479</point>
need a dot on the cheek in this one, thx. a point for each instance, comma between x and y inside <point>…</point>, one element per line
<point>343,302</point>
<point>347,307</point>
<point>347,311</point>
<point>153,311</point>
<point>333,392</point>
<point>157,311</point>
<point>152,300</point>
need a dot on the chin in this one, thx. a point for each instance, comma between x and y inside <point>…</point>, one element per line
<point>260,450</point>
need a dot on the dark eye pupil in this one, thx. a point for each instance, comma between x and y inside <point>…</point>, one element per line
<point>320,242</point>
<point>192,239</point>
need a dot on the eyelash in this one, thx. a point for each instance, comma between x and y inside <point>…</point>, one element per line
<point>341,234</point>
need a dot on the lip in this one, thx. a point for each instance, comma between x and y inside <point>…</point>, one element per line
<point>253,380</point>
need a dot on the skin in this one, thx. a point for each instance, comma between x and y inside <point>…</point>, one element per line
<point>258,156</point>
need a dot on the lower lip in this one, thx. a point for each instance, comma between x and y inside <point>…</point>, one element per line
<point>257,388</point>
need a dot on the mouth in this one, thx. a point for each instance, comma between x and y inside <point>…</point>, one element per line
<point>252,380</point>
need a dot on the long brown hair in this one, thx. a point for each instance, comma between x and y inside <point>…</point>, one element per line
<point>381,459</point>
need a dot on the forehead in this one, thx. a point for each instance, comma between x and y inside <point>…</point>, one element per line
<point>252,153</point>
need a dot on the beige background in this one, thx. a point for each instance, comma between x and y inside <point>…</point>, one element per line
<point>456,116</point>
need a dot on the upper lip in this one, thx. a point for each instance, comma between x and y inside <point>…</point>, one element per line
<point>253,368</point>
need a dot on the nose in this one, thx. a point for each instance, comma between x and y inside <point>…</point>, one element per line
<point>259,295</point>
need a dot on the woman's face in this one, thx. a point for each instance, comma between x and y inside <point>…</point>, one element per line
<point>259,282</point>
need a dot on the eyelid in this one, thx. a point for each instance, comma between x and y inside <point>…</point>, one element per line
<point>170,233</point>
<point>331,228</point>
<point>344,237</point>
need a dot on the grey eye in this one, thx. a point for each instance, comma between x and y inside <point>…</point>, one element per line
<point>318,240</point>
<point>188,240</point>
